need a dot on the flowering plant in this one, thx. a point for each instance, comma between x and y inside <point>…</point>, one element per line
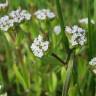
<point>46,48</point>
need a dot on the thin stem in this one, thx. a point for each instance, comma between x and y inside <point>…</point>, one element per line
<point>69,55</point>
<point>90,33</point>
<point>68,58</point>
<point>58,58</point>
<point>69,70</point>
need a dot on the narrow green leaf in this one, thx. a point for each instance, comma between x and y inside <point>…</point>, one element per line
<point>19,76</point>
<point>6,48</point>
<point>95,10</point>
<point>73,91</point>
<point>63,73</point>
<point>64,37</point>
<point>52,82</point>
<point>68,79</point>
<point>90,35</point>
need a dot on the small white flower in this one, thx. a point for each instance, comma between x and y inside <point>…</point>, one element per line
<point>26,15</point>
<point>50,15</point>
<point>5,23</point>
<point>57,29</point>
<point>40,15</point>
<point>38,52</point>
<point>11,23</point>
<point>93,62</point>
<point>20,15</point>
<point>44,45</point>
<point>85,21</point>
<point>77,35</point>
<point>74,29</point>
<point>39,46</point>
<point>68,29</point>
<point>78,39</point>
<point>14,17</point>
<point>4,5</point>
<point>44,14</point>
<point>73,40</point>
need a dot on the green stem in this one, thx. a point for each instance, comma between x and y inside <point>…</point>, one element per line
<point>64,37</point>
<point>68,57</point>
<point>58,58</point>
<point>89,35</point>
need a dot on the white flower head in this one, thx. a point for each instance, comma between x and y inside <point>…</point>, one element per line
<point>77,35</point>
<point>74,29</point>
<point>17,16</point>
<point>50,15</point>
<point>26,15</point>
<point>39,46</point>
<point>44,14</point>
<point>85,21</point>
<point>93,62</point>
<point>20,15</point>
<point>57,29</point>
<point>68,29</point>
<point>44,45</point>
<point>77,39</point>
<point>5,23</point>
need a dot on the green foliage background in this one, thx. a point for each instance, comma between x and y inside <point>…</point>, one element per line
<point>23,74</point>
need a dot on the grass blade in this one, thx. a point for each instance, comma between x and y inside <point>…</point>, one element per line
<point>64,37</point>
<point>68,78</point>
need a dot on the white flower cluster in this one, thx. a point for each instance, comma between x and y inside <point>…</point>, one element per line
<point>57,29</point>
<point>85,21</point>
<point>19,15</point>
<point>4,5</point>
<point>14,17</point>
<point>77,35</point>
<point>39,46</point>
<point>93,64</point>
<point>44,14</point>
<point>5,23</point>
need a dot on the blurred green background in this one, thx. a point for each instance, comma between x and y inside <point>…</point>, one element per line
<point>23,74</point>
